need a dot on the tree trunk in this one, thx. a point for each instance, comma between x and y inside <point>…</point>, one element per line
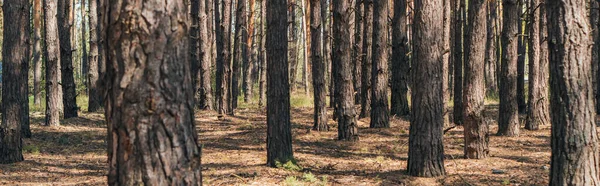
<point>65,22</point>
<point>357,53</point>
<point>152,136</point>
<point>52,54</point>
<point>263,55</point>
<point>574,140</point>
<point>538,109</point>
<point>491,46</point>
<point>223,72</point>
<point>326,16</point>
<point>93,94</point>
<point>346,116</point>
<point>15,52</point>
<point>446,60</point>
<point>292,43</point>
<point>458,60</point>
<point>367,57</point>
<point>240,52</point>
<point>200,56</point>
<point>521,52</point>
<point>279,134</point>
<point>426,150</point>
<point>37,52</point>
<point>84,53</point>
<point>475,126</point>
<point>318,68</point>
<point>400,61</point>
<point>595,24</point>
<point>247,78</point>
<point>380,116</point>
<point>508,122</point>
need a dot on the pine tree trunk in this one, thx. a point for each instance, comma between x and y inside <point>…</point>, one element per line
<point>538,109</point>
<point>521,52</point>
<point>400,61</point>
<point>65,22</point>
<point>327,20</point>
<point>458,60</point>
<point>52,55</point>
<point>15,52</point>
<point>240,52</point>
<point>508,122</point>
<point>84,53</point>
<point>491,46</point>
<point>279,134</point>
<point>263,55</point>
<point>426,150</point>
<point>380,116</point>
<point>37,52</point>
<point>292,43</point>
<point>574,140</point>
<point>475,126</point>
<point>357,53</point>
<point>248,63</point>
<point>157,104</point>
<point>346,116</point>
<point>200,55</point>
<point>367,59</point>
<point>223,72</point>
<point>93,94</point>
<point>595,25</point>
<point>318,68</point>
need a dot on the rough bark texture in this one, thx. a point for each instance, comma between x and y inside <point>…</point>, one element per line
<point>65,22</point>
<point>365,109</point>
<point>223,72</point>
<point>15,102</point>
<point>574,140</point>
<point>200,55</point>
<point>595,24</point>
<point>426,150</point>
<point>248,64</point>
<point>539,108</point>
<point>292,43</point>
<point>458,50</point>
<point>521,52</point>
<point>84,53</point>
<point>346,115</point>
<point>52,54</point>
<point>357,50</point>
<point>327,37</point>
<point>37,51</point>
<point>508,121</point>
<point>152,139</point>
<point>93,94</point>
<point>279,134</point>
<point>318,68</point>
<point>491,59</point>
<point>240,53</point>
<point>475,126</point>
<point>400,61</point>
<point>380,116</point>
<point>263,56</point>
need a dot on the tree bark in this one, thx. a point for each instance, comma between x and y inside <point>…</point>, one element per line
<point>491,59</point>
<point>292,43</point>
<point>367,57</point>
<point>327,19</point>
<point>508,122</point>
<point>521,52</point>
<point>574,140</point>
<point>93,94</point>
<point>279,134</point>
<point>84,52</point>
<point>595,24</point>
<point>475,126</point>
<point>248,64</point>
<point>357,52</point>
<point>400,61</point>
<point>380,116</point>
<point>240,52</point>
<point>263,55</point>
<point>346,115</point>
<point>538,109</point>
<point>15,53</point>
<point>223,72</point>
<point>52,54</point>
<point>426,150</point>
<point>200,55</point>
<point>37,52</point>
<point>318,68</point>
<point>458,60</point>
<point>65,22</point>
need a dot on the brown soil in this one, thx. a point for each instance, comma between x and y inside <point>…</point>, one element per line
<point>234,154</point>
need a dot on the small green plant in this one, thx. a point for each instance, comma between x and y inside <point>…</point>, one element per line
<point>35,150</point>
<point>309,177</point>
<point>290,165</point>
<point>324,180</point>
<point>292,181</point>
<point>505,182</point>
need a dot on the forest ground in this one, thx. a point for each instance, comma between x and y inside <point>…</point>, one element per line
<point>234,153</point>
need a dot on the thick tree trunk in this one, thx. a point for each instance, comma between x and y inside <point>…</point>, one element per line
<point>458,59</point>
<point>539,108</point>
<point>400,61</point>
<point>279,134</point>
<point>475,126</point>
<point>223,72</point>
<point>65,22</point>
<point>426,150</point>
<point>595,24</point>
<point>93,89</point>
<point>52,55</point>
<point>152,137</point>
<point>346,116</point>
<point>37,51</point>
<point>380,116</point>
<point>318,68</point>
<point>522,52</point>
<point>491,59</point>
<point>574,140</point>
<point>263,56</point>
<point>15,102</point>
<point>367,59</point>
<point>508,122</point>
<point>357,52</point>
<point>200,55</point>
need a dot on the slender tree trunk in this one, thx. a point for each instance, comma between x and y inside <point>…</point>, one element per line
<point>347,123</point>
<point>475,126</point>
<point>327,20</point>
<point>574,140</point>
<point>318,68</point>
<point>65,22</point>
<point>446,60</point>
<point>206,95</point>
<point>93,89</point>
<point>263,55</point>
<point>380,116</point>
<point>52,54</point>
<point>538,110</point>
<point>279,134</point>
<point>37,51</point>
<point>292,43</point>
<point>357,53</point>
<point>307,43</point>
<point>458,61</point>
<point>15,52</point>
<point>240,52</point>
<point>367,59</point>
<point>491,59</point>
<point>84,53</point>
<point>508,122</point>
<point>400,61</point>
<point>223,72</point>
<point>521,52</point>
<point>426,150</point>
<point>248,63</point>
<point>595,24</point>
<point>152,136</point>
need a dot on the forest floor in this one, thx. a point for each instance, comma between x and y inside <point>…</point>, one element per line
<point>234,154</point>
